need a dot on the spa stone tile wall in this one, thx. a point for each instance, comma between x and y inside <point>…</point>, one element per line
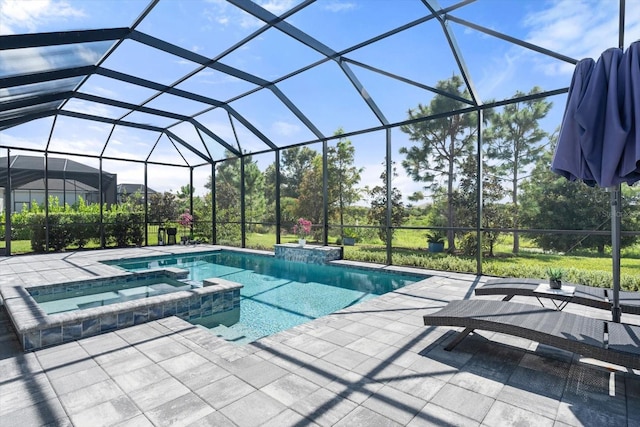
<point>36,329</point>
<point>310,254</point>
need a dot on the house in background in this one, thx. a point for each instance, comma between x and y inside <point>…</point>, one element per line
<point>125,190</point>
<point>65,179</point>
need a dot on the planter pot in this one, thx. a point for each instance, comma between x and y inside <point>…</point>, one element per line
<point>436,247</point>
<point>349,241</point>
<point>555,284</point>
<point>171,235</point>
<point>302,242</point>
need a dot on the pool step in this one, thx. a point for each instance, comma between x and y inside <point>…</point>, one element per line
<point>156,289</point>
<point>228,334</point>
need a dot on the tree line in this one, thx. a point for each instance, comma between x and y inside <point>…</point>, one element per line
<point>519,190</point>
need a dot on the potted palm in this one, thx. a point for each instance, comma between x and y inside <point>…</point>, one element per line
<point>349,236</point>
<point>435,240</point>
<point>555,277</point>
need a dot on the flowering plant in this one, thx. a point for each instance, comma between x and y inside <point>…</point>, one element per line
<point>302,228</point>
<point>185,219</point>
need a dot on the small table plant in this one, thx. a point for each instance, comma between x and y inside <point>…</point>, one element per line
<point>555,277</point>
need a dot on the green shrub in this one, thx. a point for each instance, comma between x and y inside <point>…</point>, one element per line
<point>20,225</point>
<point>60,230</point>
<point>37,227</point>
<point>86,228</point>
<point>469,244</point>
<point>136,228</point>
<point>124,228</point>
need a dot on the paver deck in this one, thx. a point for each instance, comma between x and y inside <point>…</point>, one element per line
<point>372,364</point>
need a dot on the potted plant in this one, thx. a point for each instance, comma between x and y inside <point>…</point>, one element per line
<point>302,229</point>
<point>555,277</point>
<point>435,240</point>
<point>349,236</point>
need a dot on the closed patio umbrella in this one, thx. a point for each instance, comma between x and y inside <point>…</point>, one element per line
<point>599,141</point>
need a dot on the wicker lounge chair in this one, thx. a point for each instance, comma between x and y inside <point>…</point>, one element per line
<point>630,302</point>
<point>617,343</point>
<point>584,295</point>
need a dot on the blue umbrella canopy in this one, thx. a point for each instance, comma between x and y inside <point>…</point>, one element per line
<point>568,159</point>
<point>629,69</point>
<point>599,142</point>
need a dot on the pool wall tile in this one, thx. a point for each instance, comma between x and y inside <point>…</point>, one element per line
<point>182,307</point>
<point>155,312</point>
<point>108,322</point>
<point>31,340</point>
<point>206,302</point>
<point>125,319</point>
<point>71,332</point>
<point>140,315</point>
<point>310,254</point>
<point>90,327</point>
<point>169,309</point>
<point>51,336</point>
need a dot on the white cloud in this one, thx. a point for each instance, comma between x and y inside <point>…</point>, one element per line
<point>496,74</point>
<point>339,6</point>
<point>284,128</point>
<point>217,13</point>
<point>91,108</point>
<point>87,55</point>
<point>78,144</point>
<point>20,142</point>
<point>102,91</point>
<point>223,14</point>
<point>22,61</point>
<point>407,185</point>
<point>580,28</point>
<point>277,7</point>
<point>370,177</point>
<point>574,28</point>
<point>31,14</point>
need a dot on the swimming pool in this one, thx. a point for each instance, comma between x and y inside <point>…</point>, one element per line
<point>277,294</point>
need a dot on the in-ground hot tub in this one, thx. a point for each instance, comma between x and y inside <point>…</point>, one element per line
<point>53,314</point>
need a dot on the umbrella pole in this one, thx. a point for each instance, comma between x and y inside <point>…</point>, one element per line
<point>616,201</point>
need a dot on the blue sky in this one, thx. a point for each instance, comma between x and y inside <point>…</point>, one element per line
<point>575,28</point>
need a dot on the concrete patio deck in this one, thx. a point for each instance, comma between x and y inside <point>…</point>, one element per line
<point>372,364</point>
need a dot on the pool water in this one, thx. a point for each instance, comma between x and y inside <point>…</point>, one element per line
<point>108,294</point>
<point>278,294</point>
